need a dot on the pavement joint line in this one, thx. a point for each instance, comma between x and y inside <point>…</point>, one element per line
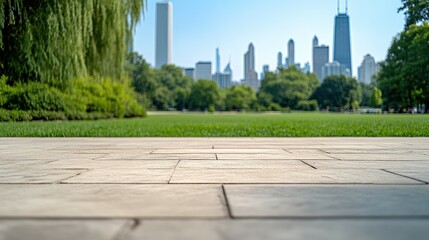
<point>130,225</point>
<point>211,183</point>
<point>287,151</point>
<point>227,204</point>
<point>65,179</point>
<point>175,167</point>
<point>405,176</point>
<point>308,164</point>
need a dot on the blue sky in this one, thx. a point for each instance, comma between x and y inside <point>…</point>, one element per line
<point>199,26</point>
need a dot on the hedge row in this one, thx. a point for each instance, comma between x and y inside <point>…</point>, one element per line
<point>84,98</point>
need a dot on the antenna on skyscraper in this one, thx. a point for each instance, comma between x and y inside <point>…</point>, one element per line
<point>347,6</point>
<point>338,6</point>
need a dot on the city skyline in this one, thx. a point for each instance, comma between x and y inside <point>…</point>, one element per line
<point>372,29</point>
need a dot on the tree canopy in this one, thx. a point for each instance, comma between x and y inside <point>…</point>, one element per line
<point>54,41</point>
<point>416,11</point>
<point>287,87</point>
<point>338,92</point>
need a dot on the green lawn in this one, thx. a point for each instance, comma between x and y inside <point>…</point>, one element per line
<point>230,125</point>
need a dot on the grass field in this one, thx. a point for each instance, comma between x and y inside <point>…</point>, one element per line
<point>230,125</point>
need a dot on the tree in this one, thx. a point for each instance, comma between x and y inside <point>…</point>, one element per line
<point>55,41</point>
<point>404,76</point>
<point>416,11</point>
<point>239,98</point>
<point>338,92</point>
<point>287,87</point>
<point>366,90</point>
<point>376,98</point>
<point>205,95</point>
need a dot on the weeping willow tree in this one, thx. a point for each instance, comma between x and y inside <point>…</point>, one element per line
<point>53,41</point>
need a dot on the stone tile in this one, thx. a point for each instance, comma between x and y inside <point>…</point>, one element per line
<point>308,176</point>
<point>218,150</point>
<point>60,229</point>
<point>158,157</point>
<point>93,164</point>
<point>375,157</point>
<point>122,175</point>
<point>243,164</point>
<point>393,164</point>
<point>284,156</point>
<point>282,229</point>
<point>422,173</point>
<point>118,200</point>
<point>22,175</point>
<point>328,201</point>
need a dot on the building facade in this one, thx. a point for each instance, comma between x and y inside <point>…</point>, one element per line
<point>291,53</point>
<point>203,70</point>
<point>342,44</point>
<point>190,72</point>
<point>367,69</point>
<point>335,68</point>
<point>250,74</point>
<point>320,58</point>
<point>164,29</point>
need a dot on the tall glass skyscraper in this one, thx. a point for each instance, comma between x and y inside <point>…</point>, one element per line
<point>342,45</point>
<point>164,25</point>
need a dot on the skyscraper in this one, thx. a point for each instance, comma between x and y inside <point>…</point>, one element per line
<point>320,58</point>
<point>291,53</point>
<point>217,60</point>
<point>203,70</point>
<point>342,45</point>
<point>164,25</point>
<point>265,70</point>
<point>335,68</point>
<point>250,75</point>
<point>367,69</point>
<point>280,60</point>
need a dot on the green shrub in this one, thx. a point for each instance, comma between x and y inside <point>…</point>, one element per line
<point>310,105</point>
<point>84,98</point>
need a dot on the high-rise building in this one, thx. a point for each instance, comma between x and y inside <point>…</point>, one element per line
<point>291,53</point>
<point>203,70</point>
<point>335,68</point>
<point>163,41</point>
<point>280,60</point>
<point>367,69</point>
<point>342,45</point>
<point>265,70</point>
<point>320,58</point>
<point>228,70</point>
<point>250,75</point>
<point>306,69</point>
<point>190,72</point>
<point>217,60</point>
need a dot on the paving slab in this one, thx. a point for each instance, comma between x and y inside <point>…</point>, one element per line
<point>122,175</point>
<point>107,164</point>
<point>381,156</point>
<point>220,150</point>
<point>283,156</point>
<point>126,156</point>
<point>270,229</point>
<point>328,201</point>
<point>25,175</point>
<point>279,175</point>
<point>385,164</point>
<point>421,174</point>
<point>119,200</point>
<point>243,164</point>
<point>61,229</point>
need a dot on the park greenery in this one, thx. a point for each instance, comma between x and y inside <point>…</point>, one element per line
<point>404,76</point>
<point>70,60</point>
<point>231,125</point>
